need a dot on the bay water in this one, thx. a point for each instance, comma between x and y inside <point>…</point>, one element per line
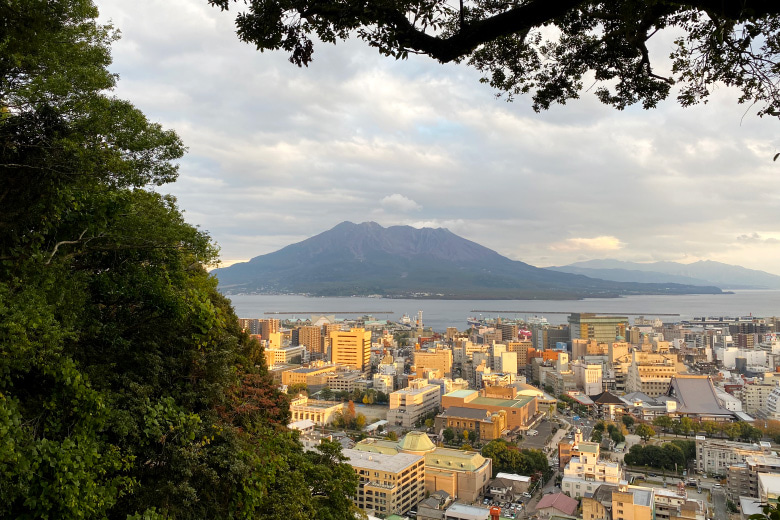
<point>440,314</point>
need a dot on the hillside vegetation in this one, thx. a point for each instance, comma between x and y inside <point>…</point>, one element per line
<point>127,389</point>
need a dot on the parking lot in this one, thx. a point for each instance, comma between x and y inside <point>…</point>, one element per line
<point>539,441</point>
<point>508,509</point>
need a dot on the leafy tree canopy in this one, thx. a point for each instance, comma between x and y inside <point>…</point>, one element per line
<point>127,388</point>
<point>550,50</point>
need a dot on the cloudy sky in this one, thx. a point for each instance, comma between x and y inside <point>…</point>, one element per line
<point>278,154</point>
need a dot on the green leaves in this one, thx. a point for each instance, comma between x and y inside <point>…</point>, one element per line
<point>546,49</point>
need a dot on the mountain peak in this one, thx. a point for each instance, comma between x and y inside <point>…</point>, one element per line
<point>366,258</point>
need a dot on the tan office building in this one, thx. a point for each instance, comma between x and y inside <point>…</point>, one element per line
<point>437,359</point>
<point>351,348</point>
<point>311,337</point>
<point>390,483</point>
<point>462,474</point>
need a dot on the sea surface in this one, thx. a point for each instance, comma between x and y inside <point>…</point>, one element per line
<point>440,314</point>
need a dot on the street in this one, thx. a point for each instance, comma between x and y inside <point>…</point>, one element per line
<point>719,503</point>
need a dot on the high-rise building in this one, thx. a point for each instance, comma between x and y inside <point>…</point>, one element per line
<point>351,348</point>
<point>508,331</point>
<point>310,337</point>
<point>604,329</point>
<point>249,325</point>
<point>268,327</point>
<point>440,359</point>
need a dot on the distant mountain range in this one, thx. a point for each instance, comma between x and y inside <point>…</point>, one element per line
<point>402,261</point>
<point>705,273</point>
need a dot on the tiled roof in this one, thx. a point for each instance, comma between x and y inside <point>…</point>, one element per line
<point>695,394</point>
<point>559,501</point>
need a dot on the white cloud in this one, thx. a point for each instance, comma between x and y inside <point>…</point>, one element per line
<point>398,202</point>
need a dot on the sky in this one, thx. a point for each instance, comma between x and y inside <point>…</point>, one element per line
<point>277,153</point>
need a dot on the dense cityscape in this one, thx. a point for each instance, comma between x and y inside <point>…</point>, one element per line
<point>606,416</point>
<point>132,389</point>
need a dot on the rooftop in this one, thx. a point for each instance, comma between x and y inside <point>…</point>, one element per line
<point>642,496</point>
<point>559,501</point>
<point>446,458</point>
<point>518,402</point>
<point>461,393</point>
<point>380,461</point>
<point>769,482</point>
<point>467,413</point>
<point>513,476</point>
<point>416,441</point>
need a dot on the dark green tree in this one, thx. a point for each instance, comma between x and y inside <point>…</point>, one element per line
<point>127,388</point>
<point>547,49</point>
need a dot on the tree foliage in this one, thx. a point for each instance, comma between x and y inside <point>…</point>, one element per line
<point>127,388</point>
<point>551,50</point>
<point>670,455</point>
<point>509,458</point>
<point>644,431</point>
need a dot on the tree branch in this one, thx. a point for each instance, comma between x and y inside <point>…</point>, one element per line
<point>62,243</point>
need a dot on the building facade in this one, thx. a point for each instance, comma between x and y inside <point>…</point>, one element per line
<point>351,348</point>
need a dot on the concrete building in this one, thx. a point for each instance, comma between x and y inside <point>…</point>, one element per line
<point>309,375</point>
<point>408,405</point>
<point>288,355</point>
<point>588,377</point>
<point>486,425</point>
<point>464,475</point>
<point>742,479</point>
<point>603,329</point>
<point>389,482</point>
<point>521,349</point>
<point>715,456</point>
<point>585,472</point>
<point>650,379</point>
<point>519,410</point>
<point>508,331</point>
<point>250,325</point>
<point>619,502</point>
<point>673,504</point>
<point>346,381</point>
<point>311,337</point>
<point>322,413</point>
<point>351,348</point>
<point>383,383</point>
<point>435,358</point>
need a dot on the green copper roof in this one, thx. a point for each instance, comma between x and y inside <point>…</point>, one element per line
<point>461,393</point>
<point>416,441</point>
<point>446,458</point>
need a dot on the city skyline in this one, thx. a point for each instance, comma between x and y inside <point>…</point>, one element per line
<point>278,154</point>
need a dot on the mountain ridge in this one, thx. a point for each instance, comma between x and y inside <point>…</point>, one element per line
<point>702,272</point>
<point>402,261</point>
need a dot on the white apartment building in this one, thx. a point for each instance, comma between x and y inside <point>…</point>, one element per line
<point>715,456</point>
<point>384,383</point>
<point>588,377</point>
<point>585,472</point>
<point>409,404</point>
<point>754,397</point>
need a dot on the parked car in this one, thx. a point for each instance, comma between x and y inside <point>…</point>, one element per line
<point>526,494</point>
